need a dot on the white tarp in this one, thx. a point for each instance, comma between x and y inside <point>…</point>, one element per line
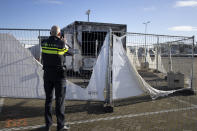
<point>21,76</point>
<point>152,62</point>
<point>126,80</point>
<point>134,56</point>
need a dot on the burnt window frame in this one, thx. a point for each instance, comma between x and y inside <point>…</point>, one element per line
<point>89,42</point>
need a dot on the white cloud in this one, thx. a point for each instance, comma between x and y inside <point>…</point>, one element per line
<point>183,28</point>
<point>188,3</point>
<point>57,2</point>
<point>152,8</point>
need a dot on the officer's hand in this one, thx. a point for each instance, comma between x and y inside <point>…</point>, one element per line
<point>66,46</point>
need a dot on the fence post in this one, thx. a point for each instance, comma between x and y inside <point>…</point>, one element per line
<point>109,106</point>
<point>170,58</point>
<point>39,45</point>
<point>96,49</point>
<point>109,71</point>
<point>73,46</point>
<point>192,79</point>
<point>157,52</point>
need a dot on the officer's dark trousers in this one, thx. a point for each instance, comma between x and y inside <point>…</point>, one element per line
<point>60,91</point>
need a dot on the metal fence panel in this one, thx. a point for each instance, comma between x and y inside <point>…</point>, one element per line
<point>165,55</point>
<point>87,44</point>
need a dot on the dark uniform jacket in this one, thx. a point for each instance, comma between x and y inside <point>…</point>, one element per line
<point>53,56</point>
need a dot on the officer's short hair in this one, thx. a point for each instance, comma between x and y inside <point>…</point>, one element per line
<point>55,30</point>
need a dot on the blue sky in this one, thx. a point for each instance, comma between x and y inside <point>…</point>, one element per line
<point>173,17</point>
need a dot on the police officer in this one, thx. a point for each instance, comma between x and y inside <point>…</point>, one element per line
<point>54,50</point>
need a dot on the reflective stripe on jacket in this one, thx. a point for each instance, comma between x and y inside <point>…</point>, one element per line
<point>53,56</point>
<point>50,50</point>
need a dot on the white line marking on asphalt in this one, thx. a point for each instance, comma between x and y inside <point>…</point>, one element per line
<point>132,115</point>
<point>106,118</point>
<point>1,104</point>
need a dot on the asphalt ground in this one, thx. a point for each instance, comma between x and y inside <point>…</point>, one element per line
<point>170,113</point>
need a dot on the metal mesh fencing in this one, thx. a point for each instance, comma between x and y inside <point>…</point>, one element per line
<point>19,70</point>
<point>28,38</point>
<point>169,58</point>
<point>166,63</point>
<point>87,44</point>
<point>165,56</point>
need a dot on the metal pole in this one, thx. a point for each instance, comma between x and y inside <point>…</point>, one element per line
<point>145,43</point>
<point>109,106</point>
<point>109,79</point>
<point>192,63</point>
<point>88,13</point>
<point>73,46</point>
<point>145,23</point>
<point>157,52</point>
<point>169,58</point>
<point>96,48</point>
<point>39,45</point>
